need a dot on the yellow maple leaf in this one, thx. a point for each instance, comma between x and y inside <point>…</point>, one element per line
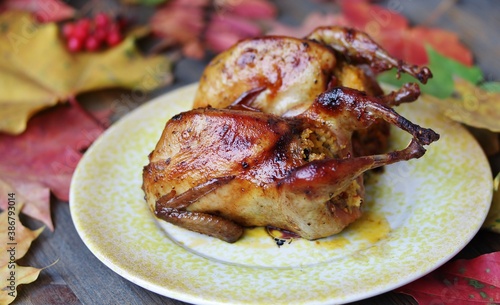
<point>472,106</point>
<point>15,240</point>
<point>14,237</point>
<point>37,71</point>
<point>13,277</point>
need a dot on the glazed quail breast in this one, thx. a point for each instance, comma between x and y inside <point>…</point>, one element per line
<point>281,133</point>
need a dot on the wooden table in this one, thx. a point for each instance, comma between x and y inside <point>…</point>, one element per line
<point>80,278</point>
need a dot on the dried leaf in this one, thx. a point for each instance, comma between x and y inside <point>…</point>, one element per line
<point>372,19</point>
<point>36,70</point>
<point>444,42</point>
<point>461,282</point>
<point>20,275</point>
<point>225,31</point>
<point>492,221</point>
<point>36,198</point>
<point>44,10</point>
<point>15,240</point>
<point>473,106</point>
<point>44,157</point>
<point>201,25</point>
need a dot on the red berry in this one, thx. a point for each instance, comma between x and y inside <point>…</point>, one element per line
<point>92,44</point>
<point>84,24</point>
<point>113,27</point>
<point>68,29</point>
<point>74,44</point>
<point>101,20</point>
<point>81,32</point>
<point>114,38</point>
<point>100,34</point>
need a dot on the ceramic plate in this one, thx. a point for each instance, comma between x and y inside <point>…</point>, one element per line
<point>418,215</point>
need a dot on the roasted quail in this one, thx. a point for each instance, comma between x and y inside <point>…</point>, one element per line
<point>281,135</point>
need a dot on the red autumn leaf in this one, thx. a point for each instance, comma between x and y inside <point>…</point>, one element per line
<point>445,42</point>
<point>485,268</point>
<point>43,158</point>
<point>44,10</point>
<point>475,281</point>
<point>180,23</point>
<point>392,31</point>
<point>224,31</point>
<point>372,19</point>
<point>201,25</point>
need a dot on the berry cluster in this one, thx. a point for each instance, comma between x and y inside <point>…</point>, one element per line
<point>92,34</point>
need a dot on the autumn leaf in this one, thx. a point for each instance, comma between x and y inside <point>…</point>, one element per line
<point>36,70</point>
<point>472,106</point>
<point>199,26</point>
<point>43,10</point>
<point>180,24</point>
<point>458,94</point>
<point>446,71</point>
<point>21,275</point>
<point>460,282</point>
<point>13,234</point>
<point>15,240</point>
<point>44,157</point>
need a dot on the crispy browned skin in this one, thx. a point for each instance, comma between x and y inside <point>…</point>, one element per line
<point>292,71</point>
<point>231,167</point>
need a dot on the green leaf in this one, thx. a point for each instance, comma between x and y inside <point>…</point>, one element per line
<point>453,68</point>
<point>444,71</point>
